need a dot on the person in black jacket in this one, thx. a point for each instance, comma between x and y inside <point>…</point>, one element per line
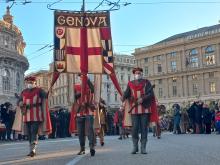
<point>191,114</point>
<point>7,118</point>
<point>207,118</point>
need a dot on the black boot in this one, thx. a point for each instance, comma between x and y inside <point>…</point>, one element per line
<point>32,154</point>
<point>33,147</point>
<point>82,151</point>
<point>29,154</point>
<point>143,146</point>
<point>92,152</point>
<point>135,146</point>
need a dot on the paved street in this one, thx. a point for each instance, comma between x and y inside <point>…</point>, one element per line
<point>171,149</point>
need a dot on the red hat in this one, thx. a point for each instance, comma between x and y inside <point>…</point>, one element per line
<point>137,69</point>
<point>30,78</point>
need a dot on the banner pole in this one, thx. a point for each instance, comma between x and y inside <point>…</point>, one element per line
<point>84,57</point>
<point>83,6</point>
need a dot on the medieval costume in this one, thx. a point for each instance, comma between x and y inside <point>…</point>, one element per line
<point>82,117</point>
<point>118,122</point>
<point>32,115</point>
<point>140,97</point>
<point>103,124</point>
<point>156,126</point>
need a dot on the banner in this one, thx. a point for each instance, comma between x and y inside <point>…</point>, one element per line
<point>82,42</point>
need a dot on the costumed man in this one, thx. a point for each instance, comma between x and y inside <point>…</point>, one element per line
<point>156,126</point>
<point>82,117</point>
<point>103,116</point>
<point>32,115</point>
<point>140,96</point>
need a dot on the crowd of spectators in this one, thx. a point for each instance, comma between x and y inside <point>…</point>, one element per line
<point>198,118</point>
<point>59,120</point>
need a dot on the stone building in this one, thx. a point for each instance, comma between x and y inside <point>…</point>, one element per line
<point>184,67</point>
<point>123,65</point>
<point>61,94</point>
<point>13,63</point>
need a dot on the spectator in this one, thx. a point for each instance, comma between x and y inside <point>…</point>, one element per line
<point>217,121</point>
<point>207,118</point>
<point>184,122</point>
<point>176,116</point>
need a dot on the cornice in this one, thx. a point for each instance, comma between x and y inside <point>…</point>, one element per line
<point>174,43</point>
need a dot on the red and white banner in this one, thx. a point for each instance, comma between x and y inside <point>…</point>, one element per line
<point>82,42</point>
<point>79,41</point>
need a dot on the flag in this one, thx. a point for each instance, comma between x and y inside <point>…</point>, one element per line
<point>97,87</point>
<point>55,76</point>
<point>83,42</point>
<point>108,57</point>
<point>97,98</point>
<point>86,39</point>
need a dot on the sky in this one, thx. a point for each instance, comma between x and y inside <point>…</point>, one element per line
<point>142,23</point>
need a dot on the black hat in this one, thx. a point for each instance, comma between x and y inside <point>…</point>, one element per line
<point>137,69</point>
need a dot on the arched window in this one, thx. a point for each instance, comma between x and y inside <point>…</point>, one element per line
<point>209,55</point>
<point>6,81</point>
<point>209,49</point>
<point>193,52</point>
<point>18,82</point>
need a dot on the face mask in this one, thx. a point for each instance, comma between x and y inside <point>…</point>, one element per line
<point>137,76</point>
<point>29,86</point>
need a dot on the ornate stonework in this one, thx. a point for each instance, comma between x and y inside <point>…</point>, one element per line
<point>13,64</point>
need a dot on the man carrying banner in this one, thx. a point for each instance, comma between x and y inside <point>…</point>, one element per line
<point>83,113</point>
<point>140,96</point>
<point>32,115</point>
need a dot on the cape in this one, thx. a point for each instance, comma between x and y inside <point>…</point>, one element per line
<point>45,127</point>
<point>127,116</point>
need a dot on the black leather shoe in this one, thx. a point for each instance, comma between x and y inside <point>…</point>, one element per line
<point>134,151</point>
<point>32,154</point>
<point>102,144</point>
<point>92,152</point>
<point>143,152</point>
<point>29,154</point>
<point>81,152</point>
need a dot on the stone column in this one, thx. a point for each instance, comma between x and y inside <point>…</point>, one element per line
<point>168,89</point>
<point>200,57</point>
<point>217,54</point>
<point>182,86</point>
<point>203,85</point>
<point>166,65</point>
<point>185,86</point>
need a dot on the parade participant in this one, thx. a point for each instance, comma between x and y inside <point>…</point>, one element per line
<point>103,115</point>
<point>82,117</point>
<point>156,126</point>
<point>140,94</point>
<point>118,121</point>
<point>35,118</point>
